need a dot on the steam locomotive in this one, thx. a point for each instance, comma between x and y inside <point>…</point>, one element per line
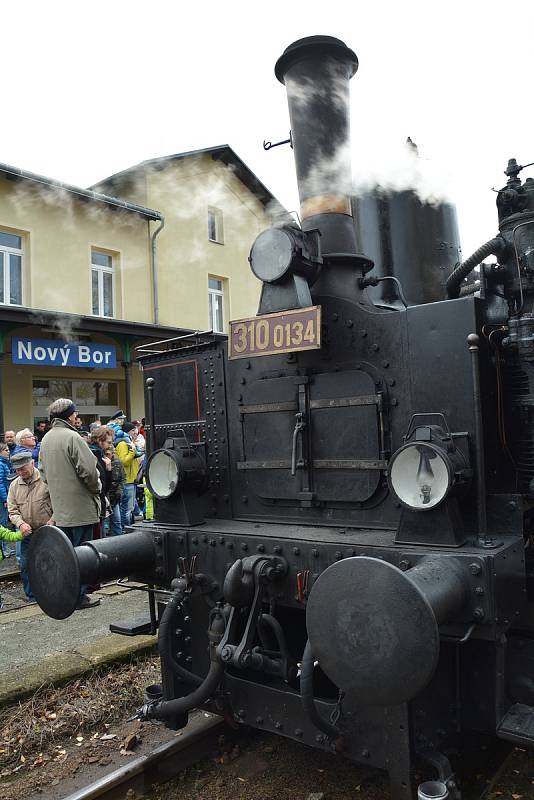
<point>341,552</point>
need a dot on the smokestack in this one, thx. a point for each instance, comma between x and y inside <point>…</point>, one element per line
<point>316,73</point>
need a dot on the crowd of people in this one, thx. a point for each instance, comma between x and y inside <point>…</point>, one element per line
<point>86,481</point>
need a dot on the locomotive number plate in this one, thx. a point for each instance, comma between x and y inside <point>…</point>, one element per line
<point>281,332</point>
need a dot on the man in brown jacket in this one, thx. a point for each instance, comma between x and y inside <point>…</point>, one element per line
<point>28,506</point>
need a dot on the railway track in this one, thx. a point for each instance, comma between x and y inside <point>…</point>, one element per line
<point>165,762</point>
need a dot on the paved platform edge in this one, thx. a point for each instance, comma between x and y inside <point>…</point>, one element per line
<point>62,667</point>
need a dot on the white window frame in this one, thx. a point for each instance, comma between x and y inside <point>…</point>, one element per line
<point>219,293</point>
<point>217,216</point>
<point>100,270</point>
<point>7,252</point>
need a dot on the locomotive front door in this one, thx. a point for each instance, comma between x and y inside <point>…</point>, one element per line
<point>346,433</point>
<point>313,439</point>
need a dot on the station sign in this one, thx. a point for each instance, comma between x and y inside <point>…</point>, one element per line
<point>281,332</point>
<point>56,353</point>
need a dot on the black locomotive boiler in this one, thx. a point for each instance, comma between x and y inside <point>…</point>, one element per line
<point>341,549</point>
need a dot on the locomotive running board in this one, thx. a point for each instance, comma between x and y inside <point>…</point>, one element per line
<point>517,725</point>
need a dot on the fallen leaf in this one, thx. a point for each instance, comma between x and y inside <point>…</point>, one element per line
<point>79,738</point>
<point>107,736</point>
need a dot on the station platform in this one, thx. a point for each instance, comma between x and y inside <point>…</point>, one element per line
<point>37,650</point>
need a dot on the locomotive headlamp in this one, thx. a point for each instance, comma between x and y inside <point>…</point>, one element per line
<point>163,473</point>
<point>424,471</point>
<point>278,252</point>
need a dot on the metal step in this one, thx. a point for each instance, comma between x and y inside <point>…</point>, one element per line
<point>517,725</point>
<point>136,626</point>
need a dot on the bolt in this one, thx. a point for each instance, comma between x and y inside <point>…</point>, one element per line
<point>315,553</point>
<point>350,323</point>
<point>179,631</point>
<point>375,346</point>
<point>278,725</point>
<point>260,548</point>
<point>385,364</point>
<point>296,551</point>
<point>244,546</point>
<point>244,499</point>
<point>195,540</point>
<point>277,549</point>
<point>394,401</point>
<point>365,753</point>
<point>241,712</point>
<point>479,590</point>
<point>339,555</point>
<point>320,738</point>
<point>404,564</point>
<point>259,720</point>
<point>363,334</point>
<point>299,733</point>
<point>475,569</point>
<point>478,613</point>
<point>226,654</point>
<point>230,545</point>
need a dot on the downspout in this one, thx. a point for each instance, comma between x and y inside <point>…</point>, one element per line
<point>155,270</point>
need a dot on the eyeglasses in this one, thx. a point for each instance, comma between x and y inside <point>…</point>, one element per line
<point>28,436</point>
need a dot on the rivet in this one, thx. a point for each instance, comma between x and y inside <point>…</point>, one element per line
<point>296,551</point>
<point>278,725</point>
<point>277,549</point>
<point>475,569</point>
<point>299,733</point>
<point>404,564</point>
<point>350,323</point>
<point>244,546</point>
<point>394,401</point>
<point>339,555</point>
<point>260,548</point>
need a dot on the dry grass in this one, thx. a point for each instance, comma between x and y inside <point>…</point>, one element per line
<point>53,714</point>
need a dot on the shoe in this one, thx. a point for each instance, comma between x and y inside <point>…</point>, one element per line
<point>138,517</point>
<point>88,602</point>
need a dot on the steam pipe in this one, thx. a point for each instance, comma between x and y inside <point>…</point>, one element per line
<point>167,627</point>
<point>493,247</point>
<point>155,269</point>
<point>181,705</point>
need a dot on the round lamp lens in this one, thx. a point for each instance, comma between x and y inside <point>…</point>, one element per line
<point>163,474</point>
<point>420,476</point>
<point>271,255</point>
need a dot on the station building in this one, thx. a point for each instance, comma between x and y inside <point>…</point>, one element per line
<point>87,275</point>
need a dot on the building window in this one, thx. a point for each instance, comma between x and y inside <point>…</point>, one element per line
<point>215,297</point>
<point>102,283</point>
<point>11,254</point>
<point>215,225</point>
<point>92,398</point>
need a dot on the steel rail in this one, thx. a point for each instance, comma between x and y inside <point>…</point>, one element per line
<point>162,764</point>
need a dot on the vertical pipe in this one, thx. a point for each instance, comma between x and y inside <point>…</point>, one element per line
<point>473,344</point>
<point>151,428</point>
<point>128,389</point>
<point>155,270</point>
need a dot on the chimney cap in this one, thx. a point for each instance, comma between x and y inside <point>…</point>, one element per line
<point>314,46</point>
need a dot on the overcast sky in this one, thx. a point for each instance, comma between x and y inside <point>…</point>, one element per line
<point>92,88</point>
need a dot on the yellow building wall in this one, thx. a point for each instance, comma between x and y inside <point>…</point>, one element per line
<point>182,190</point>
<point>59,231</point>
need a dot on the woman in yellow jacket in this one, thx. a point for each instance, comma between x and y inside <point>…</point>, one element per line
<point>127,453</point>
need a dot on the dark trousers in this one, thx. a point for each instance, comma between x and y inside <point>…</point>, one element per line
<point>24,544</point>
<point>78,534</point>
